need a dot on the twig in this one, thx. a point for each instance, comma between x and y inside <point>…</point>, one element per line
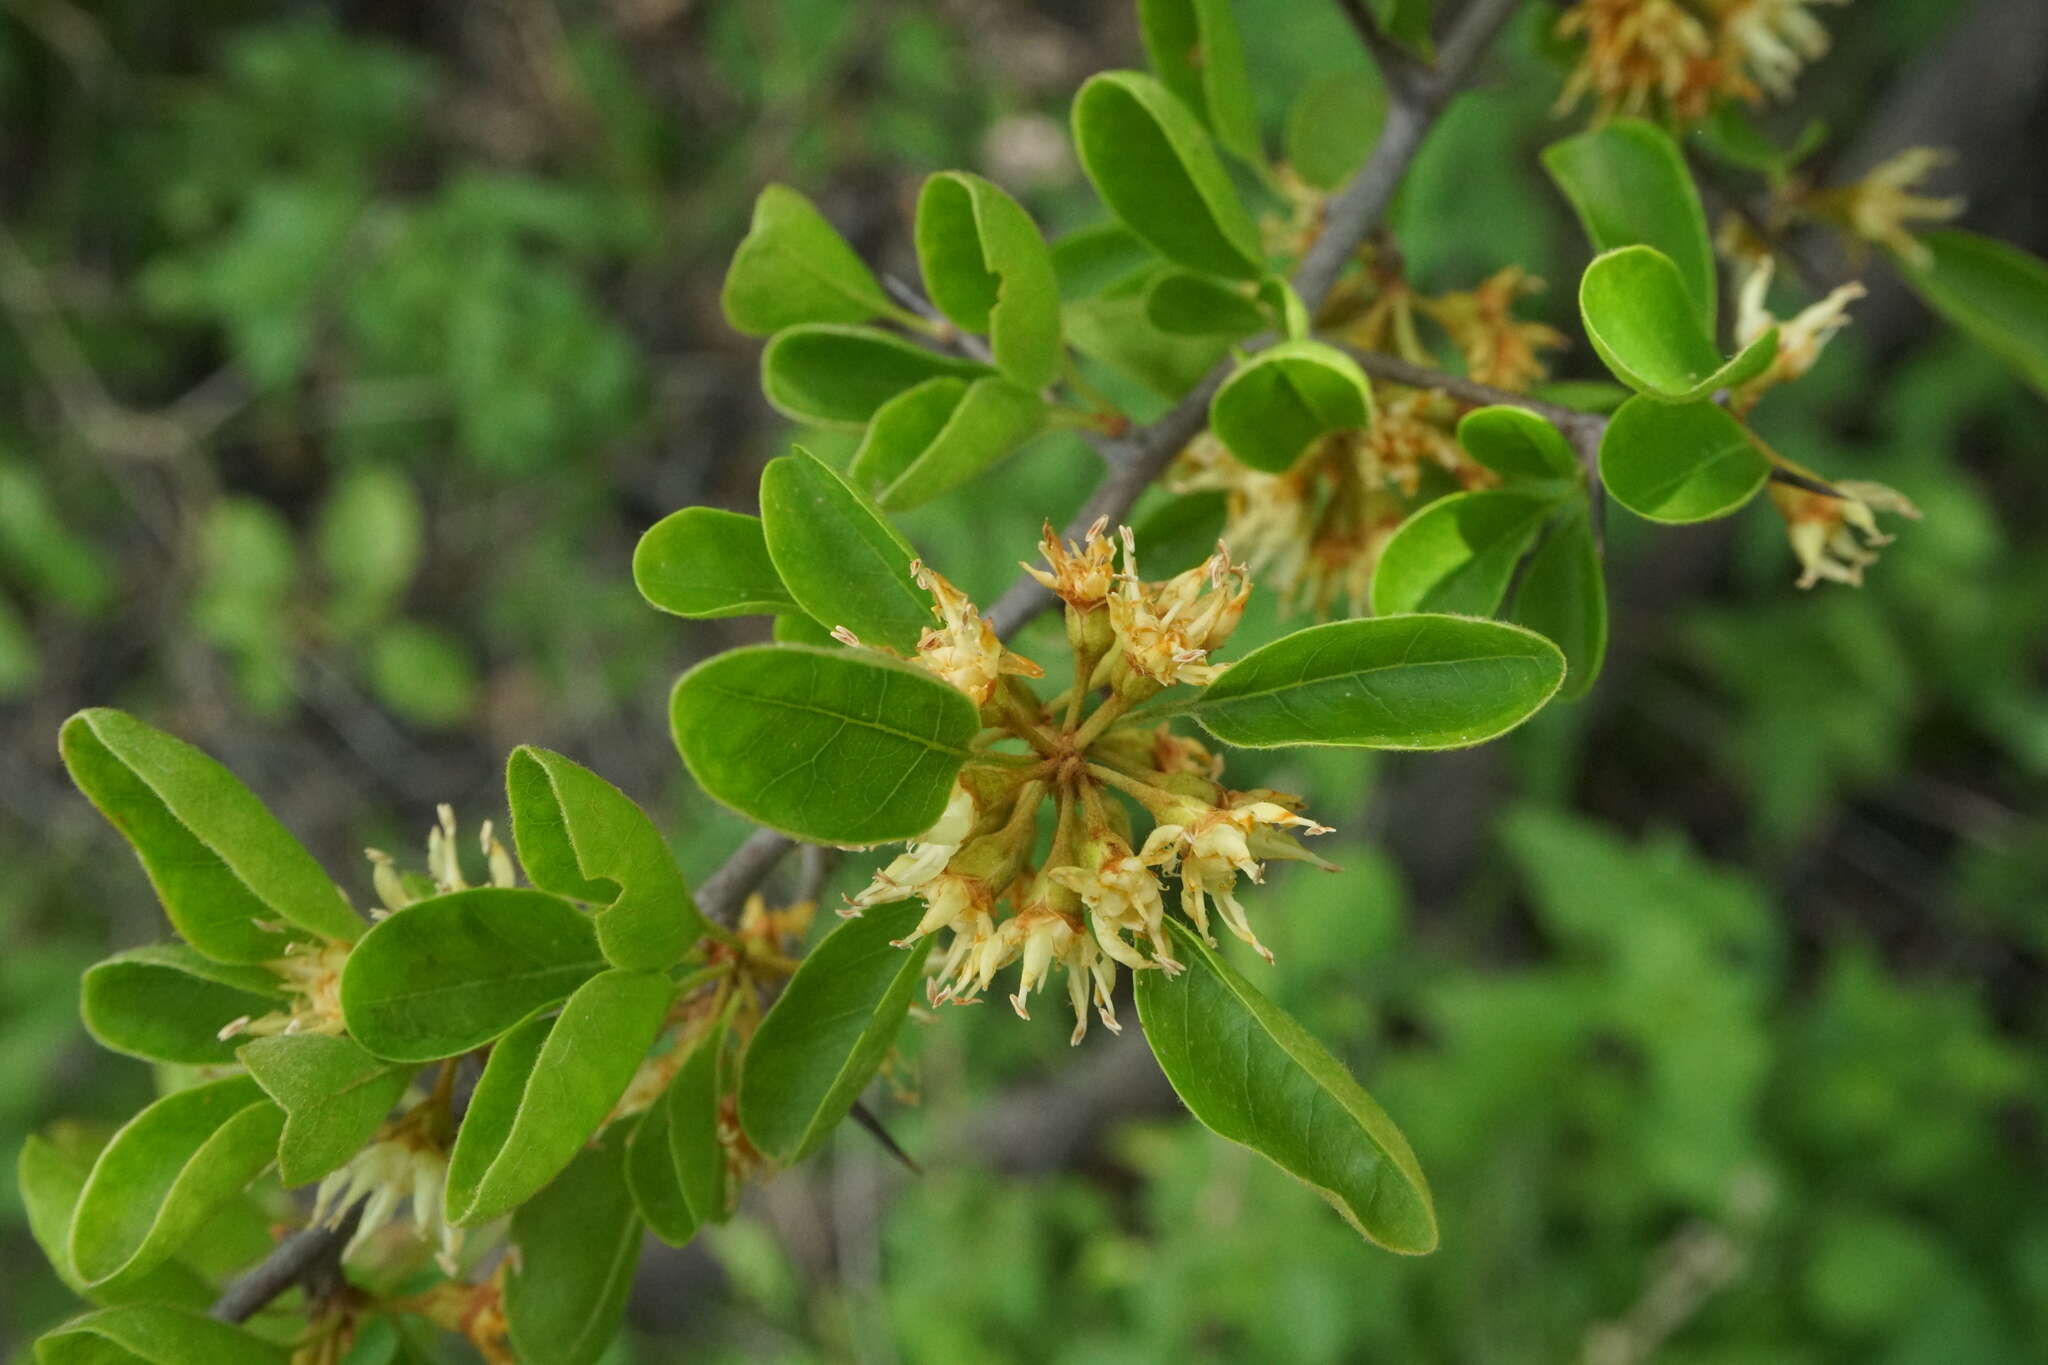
<point>721,895</point>
<point>306,1256</point>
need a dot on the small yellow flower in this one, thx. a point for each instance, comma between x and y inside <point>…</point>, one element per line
<point>1836,538</point>
<point>1167,629</point>
<point>1211,845</point>
<point>1881,206</point>
<point>310,975</point>
<point>402,1171</point>
<point>909,872</point>
<point>1640,53</point>
<point>1772,40</point>
<point>1799,340</point>
<point>1123,897</point>
<point>1500,349</point>
<point>964,651</point>
<point>1081,575</point>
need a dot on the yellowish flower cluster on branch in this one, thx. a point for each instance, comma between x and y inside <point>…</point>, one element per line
<point>1677,57</point>
<point>1097,901</point>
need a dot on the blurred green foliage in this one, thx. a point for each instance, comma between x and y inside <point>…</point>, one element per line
<point>348,348</point>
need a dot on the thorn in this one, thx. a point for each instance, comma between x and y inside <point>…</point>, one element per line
<point>865,1117</point>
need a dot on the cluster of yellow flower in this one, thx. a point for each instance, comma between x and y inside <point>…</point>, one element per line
<point>1096,902</point>
<point>1317,530</point>
<point>1680,56</point>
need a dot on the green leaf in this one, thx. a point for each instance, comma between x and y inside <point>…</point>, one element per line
<point>693,1103</point>
<point>844,564</point>
<point>930,439</point>
<point>838,376</point>
<point>794,267</point>
<point>1393,682</point>
<point>334,1095</point>
<point>1642,322</point>
<point>1563,598</point>
<point>820,1043</point>
<point>834,746</point>
<point>1994,293</point>
<point>1457,553</point>
<point>168,1003</point>
<point>1518,445</point>
<point>1278,404</point>
<point>451,973</point>
<point>1679,462</point>
<point>705,562</point>
<point>153,1334</point>
<point>369,538</point>
<point>581,837</point>
<point>219,861</point>
<point>1188,304</point>
<point>424,673</point>
<point>170,1169</point>
<point>1728,132</point>
<point>1333,125</point>
<point>988,270</point>
<point>1628,182</point>
<point>1195,49</point>
<point>1155,168</point>
<point>578,1242</point>
<point>1251,1074</point>
<point>653,1179</point>
<point>1091,259</point>
<point>51,1173</point>
<point>547,1087</point>
<point>1113,327</point>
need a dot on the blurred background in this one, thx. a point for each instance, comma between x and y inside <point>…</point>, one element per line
<point>348,347</point>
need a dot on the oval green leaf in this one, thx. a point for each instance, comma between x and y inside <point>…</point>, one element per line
<point>153,1334</point>
<point>1994,293</point>
<point>843,562</point>
<point>706,562</point>
<point>1678,463</point>
<point>222,865</point>
<point>1154,166</point>
<point>169,1003</point>
<point>822,1040</point>
<point>1196,51</point>
<point>653,1179</point>
<point>1457,554</point>
<point>1517,445</point>
<point>1333,124</point>
<point>51,1173</point>
<point>1188,304</point>
<point>547,1088</point>
<point>451,973</point>
<point>988,269</point>
<point>170,1169</point>
<point>1283,400</point>
<point>581,837</point>
<point>1641,320</point>
<point>1113,328</point>
<point>1393,682</point>
<point>1251,1074</point>
<point>930,439</point>
<point>794,267</point>
<point>578,1242</point>
<point>834,746</point>
<point>334,1095</point>
<point>693,1104</point>
<point>1628,182</point>
<point>833,376</point>
<point>1563,598</point>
